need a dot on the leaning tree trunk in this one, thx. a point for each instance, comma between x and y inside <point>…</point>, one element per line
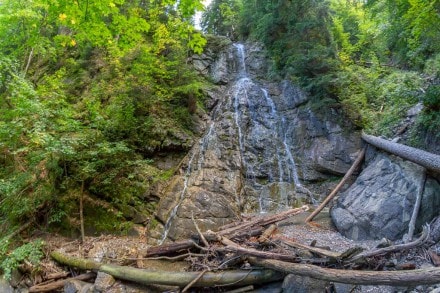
<point>391,278</point>
<point>428,160</point>
<point>181,279</point>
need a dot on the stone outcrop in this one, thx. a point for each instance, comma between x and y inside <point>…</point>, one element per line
<point>380,202</point>
<point>262,150</point>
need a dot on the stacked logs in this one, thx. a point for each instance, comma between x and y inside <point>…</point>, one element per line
<point>249,253</point>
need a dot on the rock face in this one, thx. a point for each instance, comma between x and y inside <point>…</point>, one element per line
<point>262,148</point>
<point>381,201</point>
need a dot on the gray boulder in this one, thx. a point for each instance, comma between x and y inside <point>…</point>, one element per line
<point>381,201</point>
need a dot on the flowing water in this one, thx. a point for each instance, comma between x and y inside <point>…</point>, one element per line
<point>260,142</point>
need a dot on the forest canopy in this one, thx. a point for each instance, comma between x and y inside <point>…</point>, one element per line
<point>375,58</point>
<point>89,90</point>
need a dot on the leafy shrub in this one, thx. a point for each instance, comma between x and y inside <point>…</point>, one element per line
<point>431,99</point>
<point>31,252</point>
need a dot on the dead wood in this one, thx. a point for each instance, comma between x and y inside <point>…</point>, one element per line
<point>59,284</point>
<point>263,221</point>
<point>265,237</point>
<point>339,186</point>
<point>393,248</point>
<point>187,287</point>
<point>242,289</point>
<point>316,250</point>
<point>181,279</point>
<point>169,248</point>
<point>435,258</point>
<point>81,212</point>
<point>234,247</point>
<point>57,275</point>
<point>199,232</point>
<point>263,254</point>
<point>390,278</point>
<point>423,158</point>
<point>412,222</point>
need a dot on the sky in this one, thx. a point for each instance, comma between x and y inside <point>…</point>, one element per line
<point>199,14</point>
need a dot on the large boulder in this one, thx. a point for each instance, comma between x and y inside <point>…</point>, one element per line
<point>381,200</point>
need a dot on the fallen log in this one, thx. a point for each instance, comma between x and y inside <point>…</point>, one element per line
<point>390,278</point>
<point>234,247</point>
<point>393,248</point>
<point>338,187</point>
<point>412,222</point>
<point>181,279</point>
<point>50,287</point>
<point>428,160</point>
<point>322,252</point>
<point>265,221</point>
<point>265,236</point>
<point>169,248</point>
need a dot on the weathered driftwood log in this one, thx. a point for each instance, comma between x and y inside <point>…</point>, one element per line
<point>50,287</point>
<point>322,252</point>
<point>428,160</point>
<point>234,247</point>
<point>169,248</point>
<point>265,236</point>
<point>412,222</point>
<point>265,221</point>
<point>339,186</point>
<point>419,241</point>
<point>181,279</point>
<point>391,278</point>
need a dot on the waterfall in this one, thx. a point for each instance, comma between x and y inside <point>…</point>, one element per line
<point>241,60</point>
<point>203,146</point>
<point>243,161</point>
<point>267,124</point>
<point>173,213</point>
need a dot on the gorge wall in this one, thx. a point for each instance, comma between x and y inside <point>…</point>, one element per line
<point>263,148</point>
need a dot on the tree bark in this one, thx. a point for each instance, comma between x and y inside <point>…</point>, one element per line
<point>390,278</point>
<point>428,160</point>
<point>316,250</point>
<point>412,222</point>
<point>419,241</point>
<point>81,212</point>
<point>58,284</point>
<point>338,187</point>
<point>181,279</point>
<point>169,248</point>
<point>263,221</point>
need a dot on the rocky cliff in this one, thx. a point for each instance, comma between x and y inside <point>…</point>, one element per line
<point>263,148</point>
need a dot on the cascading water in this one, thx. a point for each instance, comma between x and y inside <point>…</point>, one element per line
<point>244,162</point>
<point>203,145</point>
<point>173,213</point>
<point>261,123</point>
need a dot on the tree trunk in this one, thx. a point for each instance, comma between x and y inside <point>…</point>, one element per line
<point>58,284</point>
<point>339,186</point>
<point>390,278</point>
<point>428,160</point>
<point>181,279</point>
<point>415,214</point>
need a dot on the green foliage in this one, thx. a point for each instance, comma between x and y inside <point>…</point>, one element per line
<point>431,99</point>
<point>376,98</point>
<point>430,118</point>
<point>298,38</point>
<point>31,252</point>
<point>89,91</point>
<point>222,18</point>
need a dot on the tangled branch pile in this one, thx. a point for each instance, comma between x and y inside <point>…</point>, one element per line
<point>252,253</point>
